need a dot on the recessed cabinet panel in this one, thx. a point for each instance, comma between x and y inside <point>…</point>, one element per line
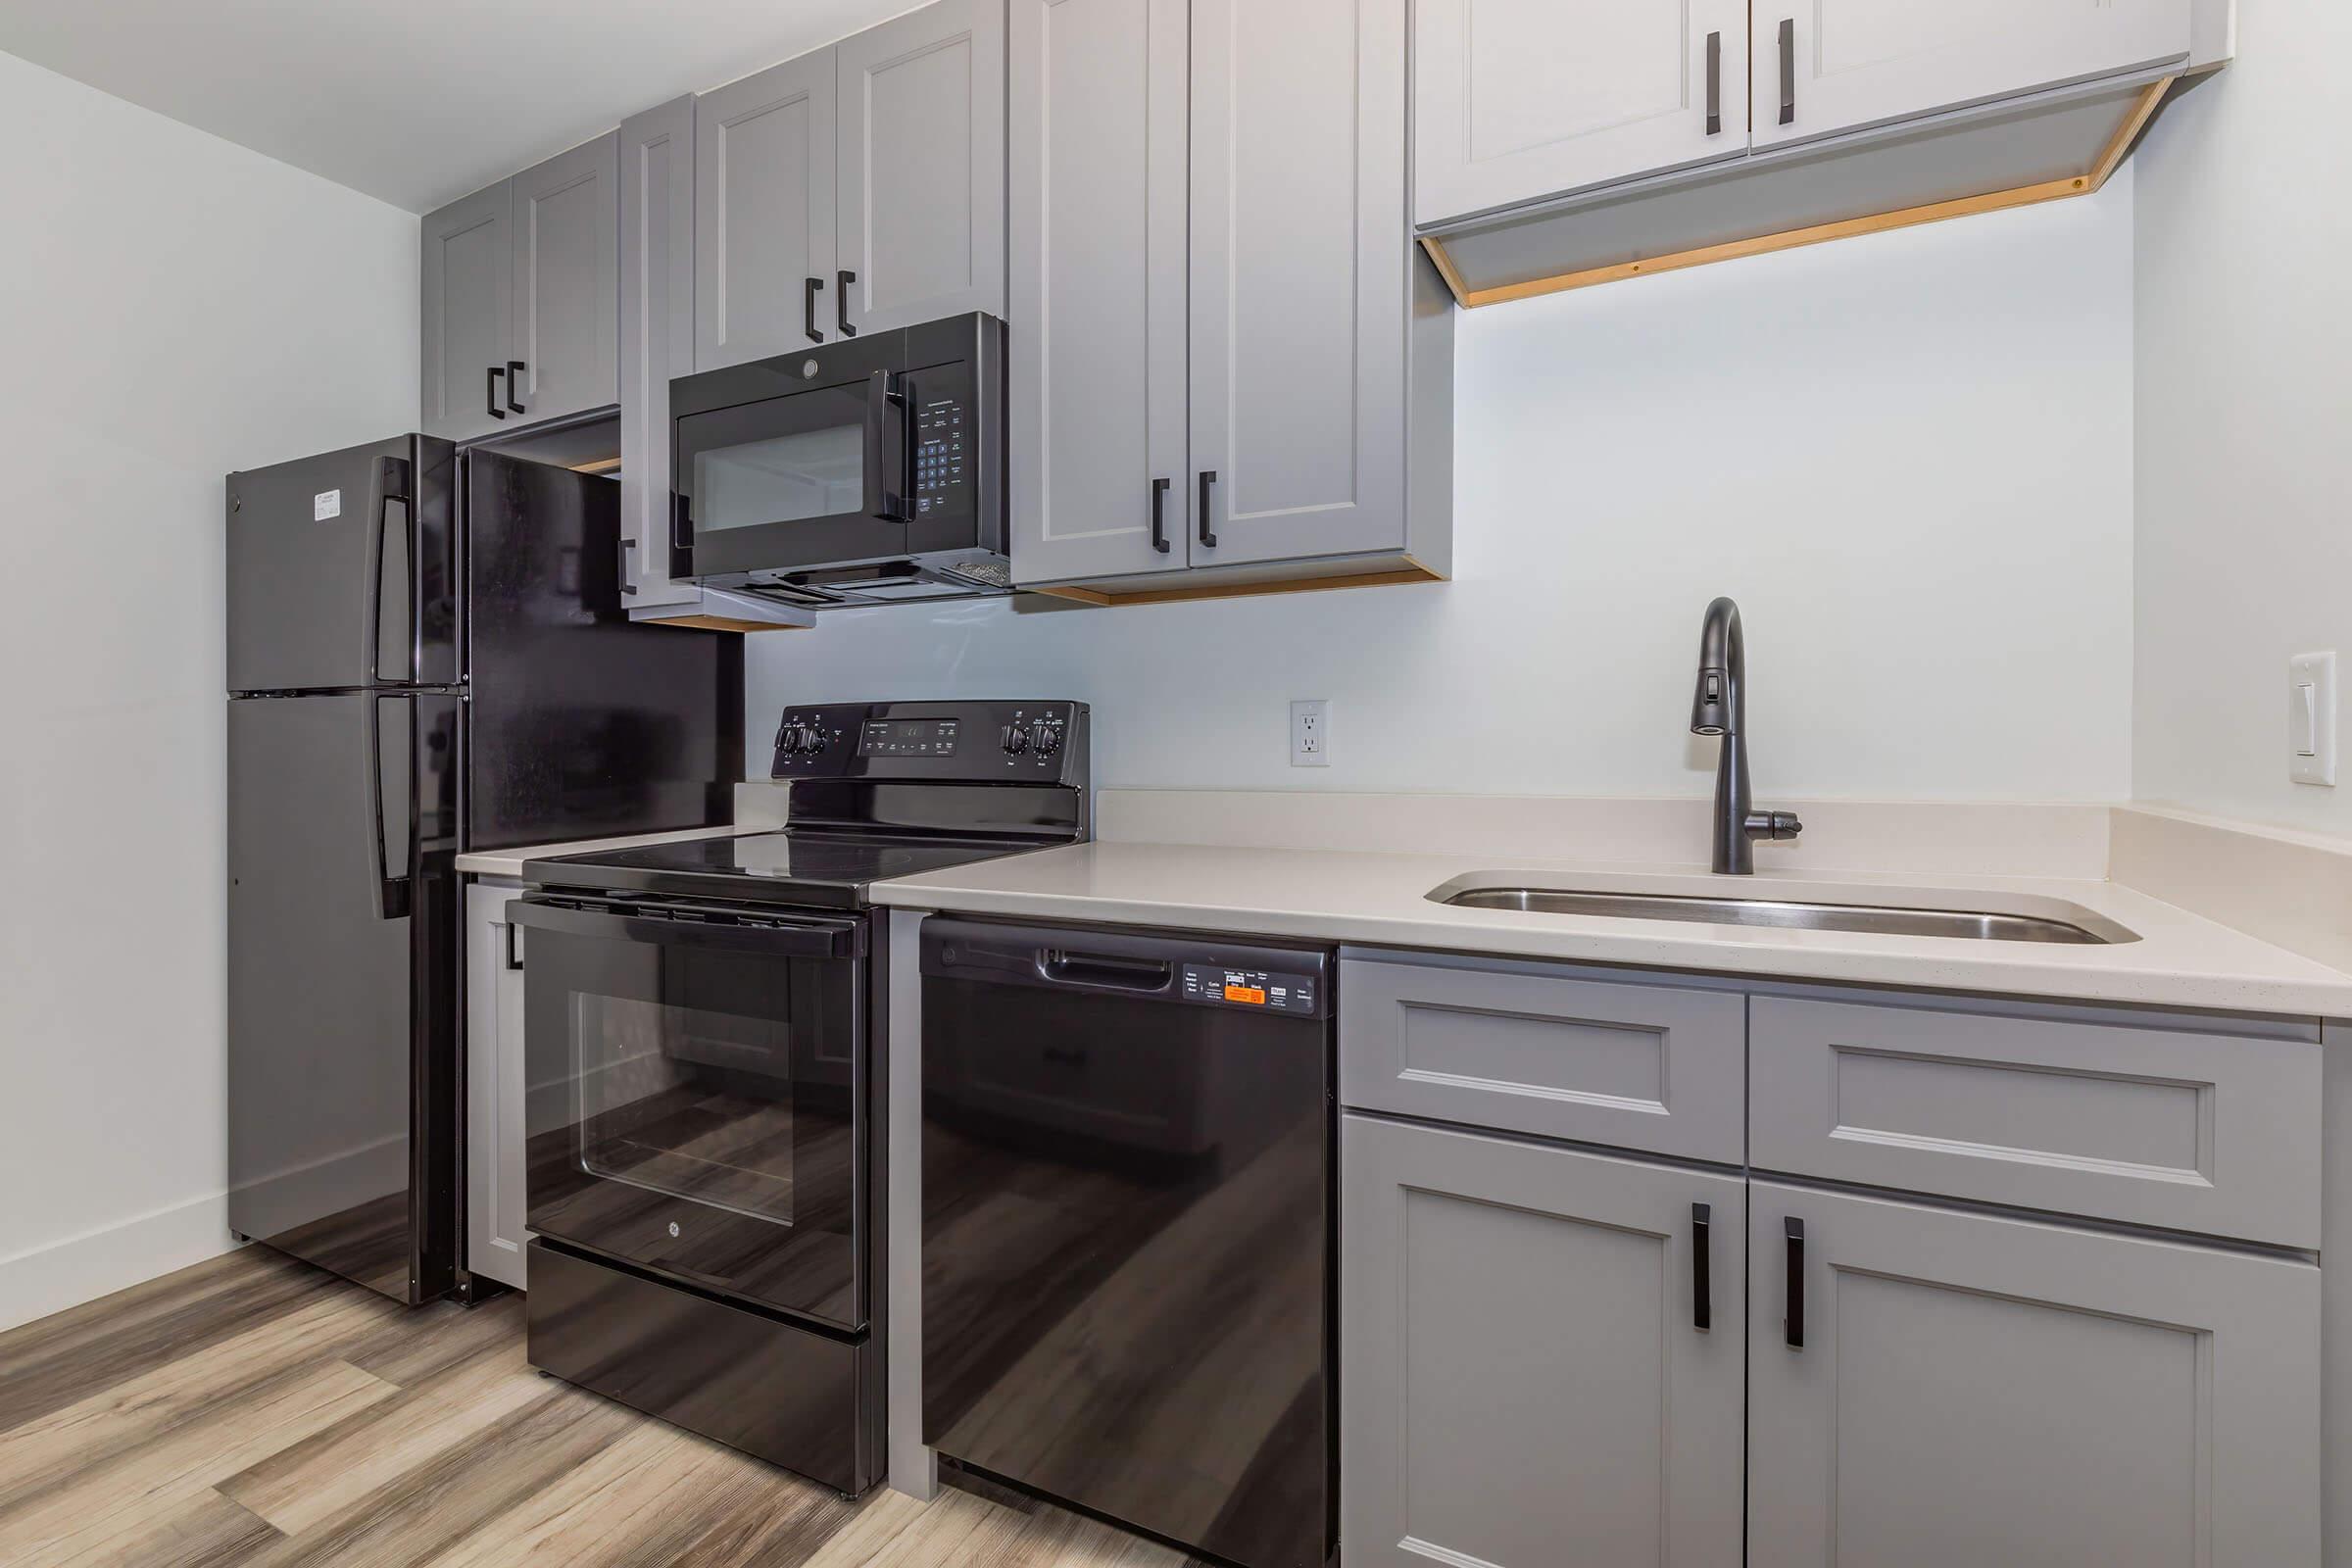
<point>656,336</point>
<point>763,214</point>
<point>1829,66</point>
<point>567,283</point>
<point>1971,1389</point>
<point>1523,99</point>
<point>1299,285</point>
<point>1097,350</point>
<point>922,154</point>
<point>495,1208</point>
<point>1536,1367</point>
<point>467,289</point>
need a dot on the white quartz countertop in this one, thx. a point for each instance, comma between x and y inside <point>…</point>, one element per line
<point>2182,959</point>
<point>508,863</point>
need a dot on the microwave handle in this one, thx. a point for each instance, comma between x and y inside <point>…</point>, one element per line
<point>888,388</point>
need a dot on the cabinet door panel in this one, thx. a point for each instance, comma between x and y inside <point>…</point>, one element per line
<point>1975,1390</point>
<point>567,248</point>
<point>1520,99</point>
<point>1519,1356</point>
<point>1096,353</point>
<point>495,1208</point>
<point>1852,63</point>
<point>656,335</point>
<point>922,161</point>
<point>467,286</point>
<point>1300,283</point>
<point>763,211</point>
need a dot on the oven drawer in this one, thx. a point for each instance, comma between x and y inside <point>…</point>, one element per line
<point>692,1361</point>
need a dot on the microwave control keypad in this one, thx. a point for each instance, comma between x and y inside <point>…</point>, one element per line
<point>938,453</point>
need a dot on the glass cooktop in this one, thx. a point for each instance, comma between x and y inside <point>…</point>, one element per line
<point>780,867</point>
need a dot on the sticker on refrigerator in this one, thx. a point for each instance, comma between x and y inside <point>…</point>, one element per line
<point>326,504</point>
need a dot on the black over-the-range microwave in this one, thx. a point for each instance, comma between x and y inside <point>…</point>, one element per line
<point>868,470</point>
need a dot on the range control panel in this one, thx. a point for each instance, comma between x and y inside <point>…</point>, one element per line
<point>1017,741</point>
<point>1258,990</point>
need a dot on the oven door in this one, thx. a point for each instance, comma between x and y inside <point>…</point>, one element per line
<point>696,1096</point>
<point>796,462</point>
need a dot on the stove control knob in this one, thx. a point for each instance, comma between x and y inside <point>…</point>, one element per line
<point>1047,741</point>
<point>1015,739</point>
<point>803,740</point>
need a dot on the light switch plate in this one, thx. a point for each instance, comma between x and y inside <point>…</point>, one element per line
<point>1310,732</point>
<point>2311,718</point>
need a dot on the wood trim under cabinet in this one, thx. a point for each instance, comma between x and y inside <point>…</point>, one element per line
<point>1415,572</point>
<point>2083,184</point>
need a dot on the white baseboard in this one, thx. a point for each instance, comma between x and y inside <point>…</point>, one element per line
<point>81,1269</point>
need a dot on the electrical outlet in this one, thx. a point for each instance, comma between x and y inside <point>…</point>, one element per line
<point>1310,732</point>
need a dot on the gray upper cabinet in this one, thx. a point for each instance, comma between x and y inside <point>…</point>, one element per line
<point>1299,279</point>
<point>1519,98</point>
<point>763,213</point>
<point>1543,1356</point>
<point>566,303</point>
<point>1975,1390</point>
<point>467,289</point>
<point>1097,352</point>
<point>921,155</point>
<point>1830,65</point>
<point>656,336</point>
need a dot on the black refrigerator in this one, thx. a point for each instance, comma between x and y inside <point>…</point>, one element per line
<point>427,653</point>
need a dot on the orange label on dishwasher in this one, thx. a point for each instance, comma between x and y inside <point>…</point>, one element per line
<point>1249,993</point>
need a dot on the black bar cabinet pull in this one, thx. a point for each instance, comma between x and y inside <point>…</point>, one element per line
<point>496,412</point>
<point>627,586</point>
<point>1787,70</point>
<point>514,369</point>
<point>1209,476</point>
<point>1703,1282</point>
<point>1795,1320</point>
<point>1160,516</point>
<point>841,303</point>
<point>809,309</point>
<point>513,952</point>
<point>1714,84</point>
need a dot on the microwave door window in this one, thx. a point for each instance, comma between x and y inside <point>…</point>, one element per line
<point>785,478</point>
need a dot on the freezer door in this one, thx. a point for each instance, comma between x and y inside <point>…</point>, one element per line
<point>584,724</point>
<point>341,890</point>
<point>341,570</point>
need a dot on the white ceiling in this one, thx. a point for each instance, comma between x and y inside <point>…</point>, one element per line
<point>416,101</point>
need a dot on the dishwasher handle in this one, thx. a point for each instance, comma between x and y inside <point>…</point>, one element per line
<point>1102,971</point>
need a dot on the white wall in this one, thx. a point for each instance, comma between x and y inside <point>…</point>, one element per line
<point>2244,538</point>
<point>1908,457</point>
<point>170,307</point>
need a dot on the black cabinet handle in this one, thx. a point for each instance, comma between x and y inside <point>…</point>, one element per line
<point>514,369</point>
<point>841,303</point>
<point>1160,516</point>
<point>627,586</point>
<point>496,412</point>
<point>1702,1281</point>
<point>513,952</point>
<point>1209,476</point>
<point>809,309</point>
<point>1794,1321</point>
<point>1787,70</point>
<point>1714,84</point>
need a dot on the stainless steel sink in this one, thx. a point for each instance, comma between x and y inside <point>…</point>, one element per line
<point>2079,925</point>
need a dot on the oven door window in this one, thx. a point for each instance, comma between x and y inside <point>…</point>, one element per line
<point>698,1109</point>
<point>782,483</point>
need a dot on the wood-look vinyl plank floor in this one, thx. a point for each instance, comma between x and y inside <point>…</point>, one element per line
<point>252,1412</point>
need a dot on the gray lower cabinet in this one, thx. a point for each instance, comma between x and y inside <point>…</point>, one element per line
<point>495,1204</point>
<point>921,155</point>
<point>763,213</point>
<point>520,303</point>
<point>1973,1390</point>
<point>468,287</point>
<point>657,337</point>
<point>1535,1369</point>
<point>562,355</point>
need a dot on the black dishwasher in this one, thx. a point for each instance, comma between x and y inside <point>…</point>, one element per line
<point>1127,1228</point>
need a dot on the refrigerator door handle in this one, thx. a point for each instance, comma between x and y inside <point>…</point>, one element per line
<point>394,893</point>
<point>392,486</point>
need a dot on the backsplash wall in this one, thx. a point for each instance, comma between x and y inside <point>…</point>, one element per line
<point>1909,457</point>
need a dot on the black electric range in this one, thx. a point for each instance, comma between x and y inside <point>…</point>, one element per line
<point>704,1027</point>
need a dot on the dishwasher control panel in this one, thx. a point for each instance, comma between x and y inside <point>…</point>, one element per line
<point>1258,990</point>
